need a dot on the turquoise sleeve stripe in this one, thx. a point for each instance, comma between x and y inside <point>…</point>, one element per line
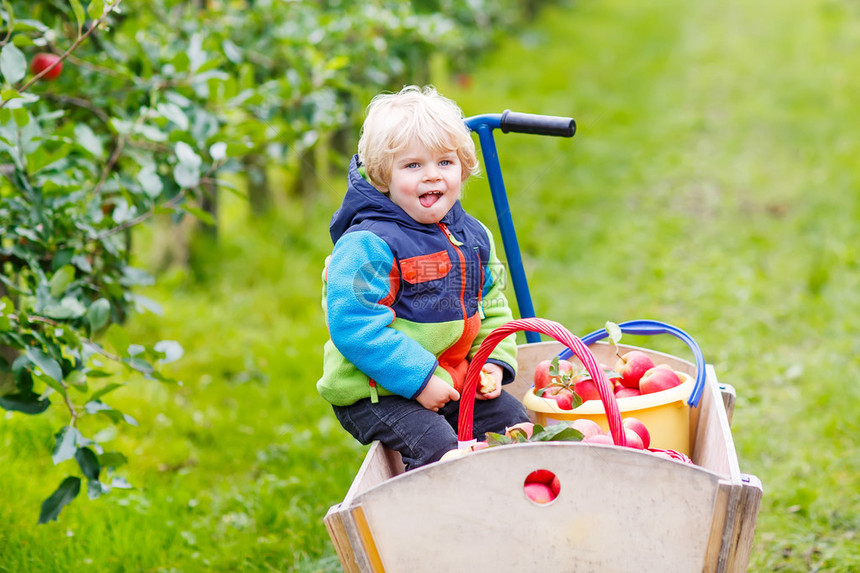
<point>359,280</point>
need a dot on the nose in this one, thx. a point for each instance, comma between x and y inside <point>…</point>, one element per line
<point>432,173</point>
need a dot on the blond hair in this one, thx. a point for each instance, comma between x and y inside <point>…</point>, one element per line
<point>394,120</point>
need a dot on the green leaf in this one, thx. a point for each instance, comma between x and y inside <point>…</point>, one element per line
<point>186,176</point>
<point>96,9</point>
<point>68,491</point>
<point>13,63</point>
<point>78,379</point>
<point>567,435</point>
<point>120,483</point>
<point>102,391</point>
<point>10,15</point>
<point>88,463</point>
<point>555,433</point>
<point>80,15</point>
<point>86,138</point>
<point>187,156</point>
<point>218,151</point>
<point>118,338</point>
<point>614,332</point>
<point>96,489</point>
<point>203,216</point>
<point>69,307</point>
<point>553,367</point>
<point>61,280</point>
<point>150,182</point>
<point>171,349</point>
<point>98,314</point>
<point>112,460</point>
<point>495,439</point>
<point>116,416</point>
<point>66,444</point>
<point>27,403</point>
<point>45,363</point>
<point>174,113</point>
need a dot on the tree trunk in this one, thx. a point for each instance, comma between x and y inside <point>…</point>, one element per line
<point>7,357</point>
<point>209,203</point>
<point>305,184</point>
<point>259,193</point>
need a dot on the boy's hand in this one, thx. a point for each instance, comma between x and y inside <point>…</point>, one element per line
<point>495,372</point>
<point>436,394</point>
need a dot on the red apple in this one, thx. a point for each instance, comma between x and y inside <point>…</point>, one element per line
<point>625,392</point>
<point>600,439</point>
<point>540,476</point>
<point>538,492</point>
<point>587,390</point>
<point>637,426</point>
<point>44,60</point>
<point>658,378</point>
<point>588,427</point>
<point>632,367</point>
<point>564,399</point>
<point>633,439</point>
<point>542,377</point>
<point>555,486</point>
<point>526,428</point>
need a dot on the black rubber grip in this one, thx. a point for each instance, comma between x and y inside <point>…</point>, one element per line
<point>537,124</point>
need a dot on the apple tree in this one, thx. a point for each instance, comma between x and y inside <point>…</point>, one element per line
<point>85,157</point>
<point>115,111</point>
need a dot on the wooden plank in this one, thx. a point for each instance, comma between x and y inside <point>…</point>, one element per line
<point>337,531</point>
<point>747,515</point>
<point>715,447</point>
<point>727,391</point>
<point>379,465</point>
<point>367,541</point>
<point>718,526</point>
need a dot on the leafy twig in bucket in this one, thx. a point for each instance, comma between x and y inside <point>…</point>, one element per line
<point>615,334</point>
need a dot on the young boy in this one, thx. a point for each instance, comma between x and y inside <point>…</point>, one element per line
<point>413,285</point>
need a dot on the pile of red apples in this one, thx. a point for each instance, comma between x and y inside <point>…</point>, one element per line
<point>634,374</point>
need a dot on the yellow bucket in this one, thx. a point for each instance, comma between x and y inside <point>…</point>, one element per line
<point>666,414</point>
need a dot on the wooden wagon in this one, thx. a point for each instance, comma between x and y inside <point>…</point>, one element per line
<point>618,509</point>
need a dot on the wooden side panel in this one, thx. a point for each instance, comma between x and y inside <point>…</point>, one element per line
<point>715,447</point>
<point>379,465</point>
<point>471,513</point>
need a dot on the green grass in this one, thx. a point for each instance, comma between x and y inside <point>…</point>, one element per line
<point>713,184</point>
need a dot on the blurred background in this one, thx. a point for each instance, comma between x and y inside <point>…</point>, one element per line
<point>164,210</point>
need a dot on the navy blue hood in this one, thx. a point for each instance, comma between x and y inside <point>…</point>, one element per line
<point>364,201</point>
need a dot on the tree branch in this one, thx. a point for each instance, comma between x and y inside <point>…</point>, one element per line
<point>64,55</point>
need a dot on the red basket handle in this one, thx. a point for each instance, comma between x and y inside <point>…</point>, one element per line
<point>561,334</point>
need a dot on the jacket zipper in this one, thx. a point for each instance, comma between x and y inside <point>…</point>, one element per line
<point>453,240</point>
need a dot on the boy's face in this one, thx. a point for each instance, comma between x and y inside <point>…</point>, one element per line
<point>424,183</point>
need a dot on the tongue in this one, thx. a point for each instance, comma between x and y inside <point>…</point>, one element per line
<point>428,200</point>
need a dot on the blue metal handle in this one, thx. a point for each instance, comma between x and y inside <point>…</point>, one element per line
<point>484,125</point>
<point>649,327</point>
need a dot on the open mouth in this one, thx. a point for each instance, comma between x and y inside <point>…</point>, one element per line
<point>429,199</point>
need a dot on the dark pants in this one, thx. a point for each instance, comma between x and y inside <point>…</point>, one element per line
<point>421,435</point>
